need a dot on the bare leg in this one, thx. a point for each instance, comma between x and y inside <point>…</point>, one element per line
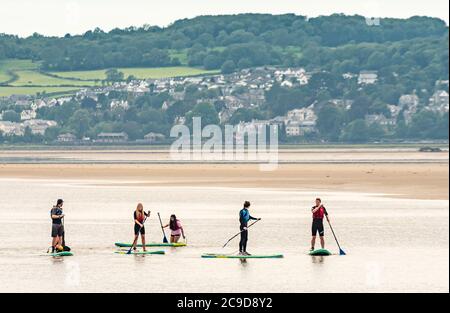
<point>135,242</point>
<point>143,243</point>
<point>175,239</point>
<point>322,242</point>
<point>313,242</point>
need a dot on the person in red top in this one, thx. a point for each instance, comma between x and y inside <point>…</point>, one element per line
<point>139,228</point>
<point>319,212</point>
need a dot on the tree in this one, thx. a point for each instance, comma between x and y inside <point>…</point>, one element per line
<point>360,108</point>
<point>80,122</point>
<point>330,121</point>
<point>244,115</point>
<point>206,112</point>
<point>356,132</point>
<point>88,103</point>
<point>228,67</point>
<point>114,75</point>
<point>11,116</point>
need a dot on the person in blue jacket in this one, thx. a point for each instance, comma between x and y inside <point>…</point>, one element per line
<point>244,218</point>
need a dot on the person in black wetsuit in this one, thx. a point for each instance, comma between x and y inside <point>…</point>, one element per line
<point>244,218</point>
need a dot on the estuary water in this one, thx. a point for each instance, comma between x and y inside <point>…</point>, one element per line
<point>392,245</point>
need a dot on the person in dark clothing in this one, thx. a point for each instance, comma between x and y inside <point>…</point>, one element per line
<point>57,216</point>
<point>319,212</point>
<point>244,218</point>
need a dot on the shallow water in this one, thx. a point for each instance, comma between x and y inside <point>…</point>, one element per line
<point>393,245</point>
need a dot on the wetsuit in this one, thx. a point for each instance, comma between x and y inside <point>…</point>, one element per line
<point>57,226</point>
<point>244,217</point>
<point>317,224</point>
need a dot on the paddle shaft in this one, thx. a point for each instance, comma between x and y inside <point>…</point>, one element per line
<point>240,233</point>
<point>162,229</point>
<point>334,235</point>
<point>64,233</point>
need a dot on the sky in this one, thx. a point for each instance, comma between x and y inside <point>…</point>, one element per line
<point>59,17</point>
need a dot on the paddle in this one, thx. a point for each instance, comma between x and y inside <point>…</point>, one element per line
<point>64,234</point>
<point>136,239</point>
<point>162,228</point>
<point>341,252</point>
<point>240,233</point>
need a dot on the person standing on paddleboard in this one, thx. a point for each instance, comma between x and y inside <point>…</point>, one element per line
<point>244,218</point>
<point>319,212</point>
<point>176,229</point>
<point>57,215</point>
<point>139,227</point>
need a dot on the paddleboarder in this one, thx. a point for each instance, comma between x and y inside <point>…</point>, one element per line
<point>139,228</point>
<point>244,218</point>
<point>57,215</point>
<point>319,212</point>
<point>176,229</point>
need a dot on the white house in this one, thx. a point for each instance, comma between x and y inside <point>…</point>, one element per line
<point>367,77</point>
<point>27,115</point>
<point>119,104</point>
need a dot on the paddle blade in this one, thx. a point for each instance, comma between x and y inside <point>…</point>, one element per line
<point>341,252</point>
<point>165,240</point>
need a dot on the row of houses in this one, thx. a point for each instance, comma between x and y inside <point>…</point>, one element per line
<point>111,138</point>
<point>37,127</point>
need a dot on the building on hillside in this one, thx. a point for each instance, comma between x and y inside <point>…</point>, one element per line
<point>395,110</point>
<point>380,119</point>
<point>28,115</point>
<point>38,127</point>
<point>66,138</point>
<point>293,129</point>
<point>301,115</point>
<point>154,138</point>
<point>440,99</point>
<point>11,129</point>
<point>112,138</point>
<point>119,104</point>
<point>367,77</point>
<point>411,100</point>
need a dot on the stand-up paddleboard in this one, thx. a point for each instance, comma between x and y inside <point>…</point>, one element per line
<point>59,254</point>
<point>140,252</point>
<point>224,256</point>
<point>153,244</point>
<point>320,252</point>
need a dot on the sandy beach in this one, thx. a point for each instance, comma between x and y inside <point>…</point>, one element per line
<point>415,181</point>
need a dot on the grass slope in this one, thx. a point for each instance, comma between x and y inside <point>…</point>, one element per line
<point>140,72</point>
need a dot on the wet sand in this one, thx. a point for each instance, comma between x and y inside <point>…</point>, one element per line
<point>413,181</point>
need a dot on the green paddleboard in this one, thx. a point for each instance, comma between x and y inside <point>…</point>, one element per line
<point>320,252</point>
<point>140,252</point>
<point>220,256</point>
<point>59,254</point>
<point>153,244</point>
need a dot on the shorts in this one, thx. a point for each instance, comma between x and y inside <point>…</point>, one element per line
<point>57,230</point>
<point>138,229</point>
<point>317,227</point>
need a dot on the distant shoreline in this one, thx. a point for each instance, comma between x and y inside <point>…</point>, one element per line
<point>406,145</point>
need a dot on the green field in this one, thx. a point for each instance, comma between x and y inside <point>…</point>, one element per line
<point>9,66</point>
<point>34,78</point>
<point>8,91</point>
<point>139,72</point>
<point>24,77</point>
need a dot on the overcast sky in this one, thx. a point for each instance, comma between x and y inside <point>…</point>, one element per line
<point>58,17</point>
